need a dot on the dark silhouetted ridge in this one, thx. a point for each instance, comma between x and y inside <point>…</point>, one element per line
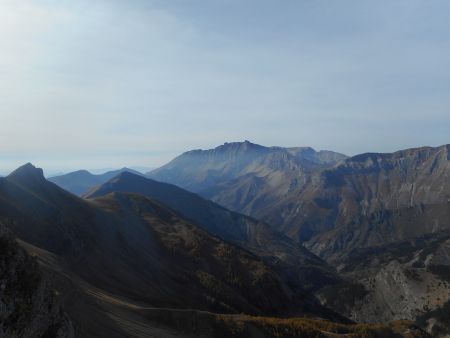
<point>308,270</point>
<point>27,172</point>
<point>125,245</point>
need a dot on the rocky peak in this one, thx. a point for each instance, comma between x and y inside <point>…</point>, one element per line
<point>27,172</point>
<point>228,147</point>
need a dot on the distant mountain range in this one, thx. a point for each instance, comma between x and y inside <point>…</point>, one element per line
<point>338,206</point>
<point>304,198</point>
<point>81,181</point>
<point>126,252</point>
<point>243,228</point>
<point>244,168</point>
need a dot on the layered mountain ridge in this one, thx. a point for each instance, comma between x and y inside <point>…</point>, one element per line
<point>243,176</point>
<point>378,222</point>
<point>123,252</point>
<point>312,200</point>
<point>339,211</point>
<point>81,181</point>
<point>308,271</point>
<point>371,189</point>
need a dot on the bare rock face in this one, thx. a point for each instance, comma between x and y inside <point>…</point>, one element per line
<point>304,193</point>
<point>397,281</point>
<point>381,219</point>
<point>396,292</point>
<point>364,188</point>
<point>243,176</point>
<point>28,305</point>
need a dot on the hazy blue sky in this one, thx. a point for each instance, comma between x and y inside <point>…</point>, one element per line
<point>104,83</point>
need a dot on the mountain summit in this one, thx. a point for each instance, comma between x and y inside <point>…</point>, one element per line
<point>234,174</point>
<point>27,172</point>
<point>380,218</point>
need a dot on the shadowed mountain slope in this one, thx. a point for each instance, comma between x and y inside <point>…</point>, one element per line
<point>361,292</point>
<point>381,219</point>
<point>128,249</point>
<point>79,182</point>
<point>29,307</point>
<point>305,269</point>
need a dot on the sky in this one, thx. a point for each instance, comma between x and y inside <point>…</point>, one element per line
<point>113,83</point>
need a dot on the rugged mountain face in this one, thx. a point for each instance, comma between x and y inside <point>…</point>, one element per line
<point>363,195</point>
<point>380,219</point>
<point>380,227</point>
<point>361,200</point>
<point>401,280</point>
<point>29,307</point>
<point>366,189</point>
<point>112,256</point>
<point>81,181</point>
<point>304,269</point>
<point>244,176</point>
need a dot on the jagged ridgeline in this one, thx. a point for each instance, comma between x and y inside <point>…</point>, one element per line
<point>114,257</point>
<point>381,219</point>
<point>264,242</point>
